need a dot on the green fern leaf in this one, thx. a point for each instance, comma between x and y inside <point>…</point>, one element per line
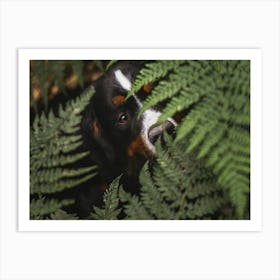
<point>217,127</point>
<point>111,209</point>
<point>53,142</point>
<point>39,208</point>
<point>152,72</point>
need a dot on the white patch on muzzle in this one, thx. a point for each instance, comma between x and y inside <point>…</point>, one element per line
<point>150,117</point>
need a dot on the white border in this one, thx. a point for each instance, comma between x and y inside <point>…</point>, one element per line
<point>254,55</point>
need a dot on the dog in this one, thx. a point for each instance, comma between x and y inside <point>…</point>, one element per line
<point>119,140</point>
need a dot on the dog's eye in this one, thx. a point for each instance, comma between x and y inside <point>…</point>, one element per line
<point>123,118</point>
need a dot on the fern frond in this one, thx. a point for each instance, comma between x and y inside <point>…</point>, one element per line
<point>133,207</point>
<point>205,206</point>
<point>153,199</point>
<point>56,180</point>
<point>176,187</point>
<point>166,89</point>
<point>111,209</point>
<point>214,137</point>
<point>59,160</point>
<point>178,104</point>
<point>206,167</point>
<point>152,72</point>
<point>112,62</point>
<point>39,208</point>
<point>63,215</point>
<point>53,144</point>
<point>218,124</point>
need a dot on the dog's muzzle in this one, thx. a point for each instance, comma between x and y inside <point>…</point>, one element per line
<point>155,132</point>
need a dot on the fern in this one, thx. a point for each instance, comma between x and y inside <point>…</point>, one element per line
<point>152,72</point>
<point>53,145</point>
<point>39,208</point>
<point>110,210</point>
<point>178,187</point>
<point>112,62</point>
<point>62,215</point>
<point>217,95</point>
<point>133,207</point>
<point>195,175</point>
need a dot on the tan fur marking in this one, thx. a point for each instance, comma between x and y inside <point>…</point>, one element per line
<point>135,146</point>
<point>148,88</point>
<point>118,100</point>
<point>96,129</point>
<point>138,146</point>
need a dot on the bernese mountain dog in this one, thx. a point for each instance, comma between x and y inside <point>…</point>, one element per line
<point>119,140</point>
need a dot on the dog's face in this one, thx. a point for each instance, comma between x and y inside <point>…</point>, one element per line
<point>118,138</point>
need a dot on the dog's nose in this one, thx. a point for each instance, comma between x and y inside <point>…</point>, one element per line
<point>155,132</point>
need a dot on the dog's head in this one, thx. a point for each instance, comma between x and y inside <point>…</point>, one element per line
<point>120,141</point>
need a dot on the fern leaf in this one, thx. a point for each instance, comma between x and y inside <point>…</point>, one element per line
<point>63,215</point>
<point>177,187</point>
<point>53,144</point>
<point>112,62</point>
<point>133,208</point>
<point>218,124</point>
<point>42,207</point>
<point>152,72</point>
<point>178,104</point>
<point>163,91</point>
<point>111,209</point>
<point>153,199</point>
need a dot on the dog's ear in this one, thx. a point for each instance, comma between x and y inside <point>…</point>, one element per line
<point>95,138</point>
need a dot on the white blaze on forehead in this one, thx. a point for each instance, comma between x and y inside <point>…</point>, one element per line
<point>126,84</point>
<point>123,80</point>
